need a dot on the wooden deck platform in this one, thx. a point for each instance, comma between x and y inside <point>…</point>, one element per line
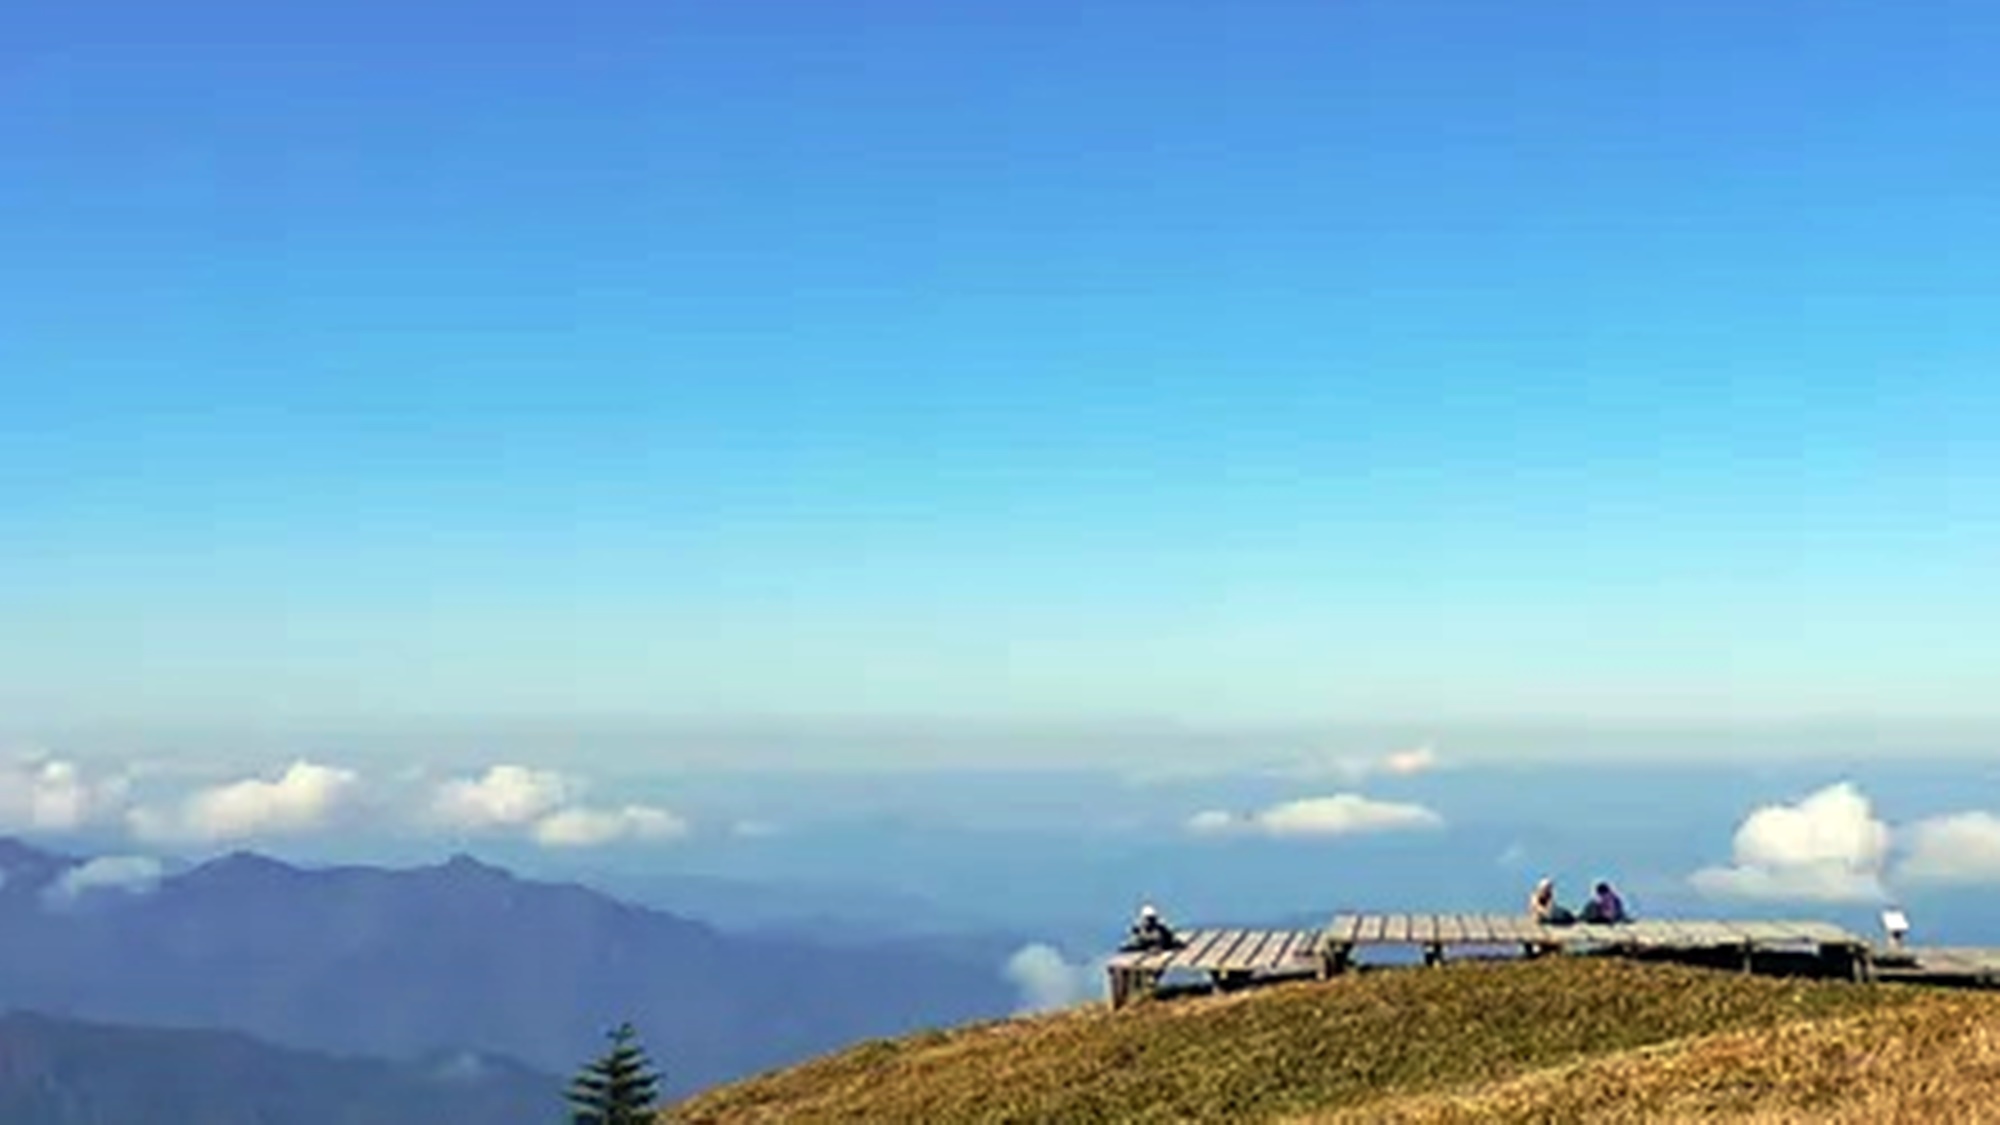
<point>1230,956</point>
<point>1225,955</point>
<point>1436,933</point>
<point>1979,967</point>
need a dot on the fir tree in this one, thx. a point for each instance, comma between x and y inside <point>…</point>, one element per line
<point>619,1087</point>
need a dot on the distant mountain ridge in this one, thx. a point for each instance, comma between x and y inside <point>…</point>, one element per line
<point>457,955</point>
<point>67,1072</point>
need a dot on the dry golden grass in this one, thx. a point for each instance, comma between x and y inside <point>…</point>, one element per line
<point>1427,1045</point>
<point>1935,1060</point>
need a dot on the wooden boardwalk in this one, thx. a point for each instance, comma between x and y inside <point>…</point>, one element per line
<point>1979,967</point>
<point>1436,933</point>
<point>1225,955</point>
<point>1229,956</point>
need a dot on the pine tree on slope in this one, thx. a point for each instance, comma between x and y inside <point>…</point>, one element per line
<point>619,1087</point>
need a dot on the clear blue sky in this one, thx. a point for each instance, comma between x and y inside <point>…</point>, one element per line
<point>1386,357</point>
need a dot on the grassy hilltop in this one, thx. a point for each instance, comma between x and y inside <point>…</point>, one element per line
<point>1555,1040</point>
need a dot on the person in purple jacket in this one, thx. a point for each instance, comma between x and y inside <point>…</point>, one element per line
<point>1605,908</point>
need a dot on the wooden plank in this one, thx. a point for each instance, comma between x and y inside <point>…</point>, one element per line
<point>1371,928</point>
<point>1971,962</point>
<point>1342,928</point>
<point>1769,933</point>
<point>1273,953</point>
<point>1232,960</point>
<point>1279,956</point>
<point>1303,947</point>
<point>1505,928</point>
<point>1775,933</point>
<point>1309,946</point>
<point>1478,931</point>
<point>1704,934</point>
<point>1701,933</point>
<point>1533,931</point>
<point>1826,933</point>
<point>1200,950</point>
<point>1450,929</point>
<point>1677,936</point>
<point>1935,964</point>
<point>1396,929</point>
<point>1674,934</point>
<point>1250,955</point>
<point>1218,948</point>
<point>1644,935</point>
<point>1424,928</point>
<point>1752,933</point>
<point>1275,949</point>
<point>1195,954</point>
<point>1223,951</point>
<point>1240,943</point>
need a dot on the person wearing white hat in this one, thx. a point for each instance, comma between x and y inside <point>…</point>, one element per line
<point>1543,908</point>
<point>1150,932</point>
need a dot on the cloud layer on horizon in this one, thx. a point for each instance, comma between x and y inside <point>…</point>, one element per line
<point>1342,814</point>
<point>53,795</point>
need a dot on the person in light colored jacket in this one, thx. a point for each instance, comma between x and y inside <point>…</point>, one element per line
<point>1543,907</point>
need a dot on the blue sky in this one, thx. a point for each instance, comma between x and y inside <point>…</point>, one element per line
<point>1303,361</point>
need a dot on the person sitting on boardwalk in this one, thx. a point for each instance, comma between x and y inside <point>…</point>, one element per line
<point>1543,907</point>
<point>1150,933</point>
<point>1606,908</point>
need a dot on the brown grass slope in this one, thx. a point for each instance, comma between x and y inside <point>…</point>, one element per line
<point>1935,1060</point>
<point>1550,1040</point>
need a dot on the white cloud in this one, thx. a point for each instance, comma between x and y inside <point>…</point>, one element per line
<point>544,805</point>
<point>1211,821</point>
<point>1828,847</point>
<point>504,797</point>
<point>1047,981</point>
<point>136,874</point>
<point>1343,814</point>
<point>54,795</point>
<point>581,827</point>
<point>1354,769</point>
<point>1408,763</point>
<point>306,797</point>
<point>1959,848</point>
<point>753,829</point>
